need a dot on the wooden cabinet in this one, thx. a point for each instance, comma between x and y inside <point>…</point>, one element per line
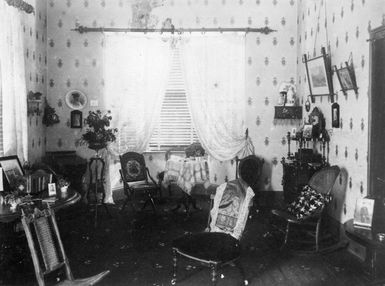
<point>366,246</point>
<point>296,174</point>
<point>300,166</point>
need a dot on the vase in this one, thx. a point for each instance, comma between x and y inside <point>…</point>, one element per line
<point>97,146</point>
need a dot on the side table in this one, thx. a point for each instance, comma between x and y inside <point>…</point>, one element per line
<point>375,249</point>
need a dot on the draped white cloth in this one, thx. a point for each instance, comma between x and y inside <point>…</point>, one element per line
<point>214,67</point>
<point>13,83</point>
<point>136,69</point>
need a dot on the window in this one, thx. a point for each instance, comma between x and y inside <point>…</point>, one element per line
<point>174,128</point>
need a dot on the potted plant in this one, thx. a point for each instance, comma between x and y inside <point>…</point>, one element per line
<point>63,184</point>
<point>98,134</point>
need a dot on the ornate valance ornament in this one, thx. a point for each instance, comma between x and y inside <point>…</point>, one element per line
<point>21,5</point>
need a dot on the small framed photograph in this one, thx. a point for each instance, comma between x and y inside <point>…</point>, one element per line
<point>51,189</point>
<point>363,212</point>
<point>76,119</point>
<point>318,73</point>
<point>335,115</point>
<point>346,78</point>
<point>11,167</point>
<point>308,131</point>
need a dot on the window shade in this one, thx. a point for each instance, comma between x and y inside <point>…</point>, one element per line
<point>174,128</point>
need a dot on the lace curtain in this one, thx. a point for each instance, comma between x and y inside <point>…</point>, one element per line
<point>13,83</point>
<point>214,66</point>
<point>135,72</point>
<point>136,68</point>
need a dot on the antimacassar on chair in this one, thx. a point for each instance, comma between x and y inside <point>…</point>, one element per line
<point>221,244</point>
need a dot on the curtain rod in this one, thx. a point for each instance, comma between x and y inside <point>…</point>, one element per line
<point>83,29</point>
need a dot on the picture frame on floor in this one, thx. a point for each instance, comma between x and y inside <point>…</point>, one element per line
<point>363,212</point>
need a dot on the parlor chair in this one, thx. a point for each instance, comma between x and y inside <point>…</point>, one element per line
<point>47,249</point>
<point>255,185</point>
<point>136,178</point>
<point>219,244</point>
<point>304,215</point>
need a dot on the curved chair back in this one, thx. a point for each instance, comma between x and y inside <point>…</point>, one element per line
<point>39,180</point>
<point>133,167</point>
<point>323,180</point>
<point>46,246</point>
<point>44,242</point>
<point>250,169</point>
<point>233,199</point>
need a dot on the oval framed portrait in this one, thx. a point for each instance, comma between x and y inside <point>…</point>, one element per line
<point>76,99</point>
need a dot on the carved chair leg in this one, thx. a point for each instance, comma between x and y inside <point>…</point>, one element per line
<point>238,264</point>
<point>124,204</point>
<point>286,235</point>
<point>317,234</point>
<point>174,266</point>
<point>96,215</point>
<point>169,190</point>
<point>107,210</point>
<point>152,204</point>
<point>149,200</point>
<point>105,205</point>
<point>213,268</point>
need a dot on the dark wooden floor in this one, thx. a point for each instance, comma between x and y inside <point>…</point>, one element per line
<point>136,248</point>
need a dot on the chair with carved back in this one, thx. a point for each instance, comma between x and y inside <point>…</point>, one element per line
<point>136,178</point>
<point>219,244</point>
<point>46,247</point>
<point>304,215</point>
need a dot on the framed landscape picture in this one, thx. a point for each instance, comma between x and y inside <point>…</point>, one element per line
<point>319,76</point>
<point>347,78</point>
<point>11,167</point>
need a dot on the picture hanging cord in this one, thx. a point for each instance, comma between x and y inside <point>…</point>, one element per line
<point>326,26</point>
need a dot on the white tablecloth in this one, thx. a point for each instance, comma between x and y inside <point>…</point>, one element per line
<point>187,173</point>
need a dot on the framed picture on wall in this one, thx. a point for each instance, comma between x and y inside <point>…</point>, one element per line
<point>76,119</point>
<point>318,74</point>
<point>335,115</point>
<point>76,99</point>
<point>11,167</point>
<point>347,78</point>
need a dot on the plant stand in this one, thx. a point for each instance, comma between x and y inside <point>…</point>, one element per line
<point>96,188</point>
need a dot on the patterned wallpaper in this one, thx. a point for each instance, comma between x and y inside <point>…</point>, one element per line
<point>75,62</point>
<point>35,36</point>
<point>344,31</point>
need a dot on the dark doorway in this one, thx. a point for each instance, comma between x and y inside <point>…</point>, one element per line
<point>376,169</point>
